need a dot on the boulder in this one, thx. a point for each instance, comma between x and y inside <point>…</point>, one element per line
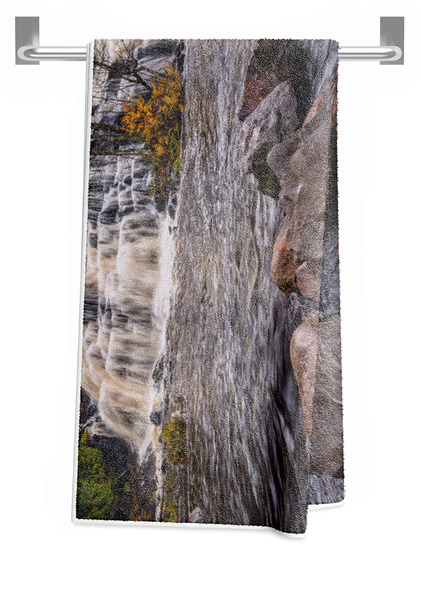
<point>303,352</point>
<point>327,438</point>
<point>196,516</point>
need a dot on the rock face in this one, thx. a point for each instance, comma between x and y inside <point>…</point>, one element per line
<point>196,516</point>
<point>299,146</point>
<point>268,66</point>
<point>304,351</point>
<point>325,489</point>
<point>305,258</point>
<point>327,443</point>
<point>275,116</point>
<point>302,164</point>
<point>308,278</point>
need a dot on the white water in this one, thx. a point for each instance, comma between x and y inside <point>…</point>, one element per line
<point>128,277</point>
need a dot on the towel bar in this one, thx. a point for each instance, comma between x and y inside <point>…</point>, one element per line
<point>28,52</point>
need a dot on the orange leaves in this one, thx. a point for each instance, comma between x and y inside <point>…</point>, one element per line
<point>134,113</point>
<point>157,123</point>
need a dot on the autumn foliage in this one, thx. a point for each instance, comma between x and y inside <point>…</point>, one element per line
<point>157,123</point>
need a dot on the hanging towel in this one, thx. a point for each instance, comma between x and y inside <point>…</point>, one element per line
<point>210,370</point>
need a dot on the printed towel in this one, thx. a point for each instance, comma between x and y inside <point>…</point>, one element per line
<point>210,376</point>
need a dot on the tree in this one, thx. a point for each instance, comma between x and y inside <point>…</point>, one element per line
<point>147,125</point>
<point>157,124</point>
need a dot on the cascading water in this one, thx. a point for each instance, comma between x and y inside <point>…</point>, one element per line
<point>128,279</point>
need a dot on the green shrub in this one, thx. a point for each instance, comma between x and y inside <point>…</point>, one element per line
<point>96,497</point>
<point>174,436</point>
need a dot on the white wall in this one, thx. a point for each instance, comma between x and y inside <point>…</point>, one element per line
<point>366,548</point>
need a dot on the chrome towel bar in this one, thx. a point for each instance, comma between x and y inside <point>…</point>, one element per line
<point>28,51</point>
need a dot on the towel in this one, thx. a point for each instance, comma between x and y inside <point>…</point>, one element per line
<point>210,369</point>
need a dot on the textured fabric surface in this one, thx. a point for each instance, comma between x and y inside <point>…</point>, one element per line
<point>211,356</point>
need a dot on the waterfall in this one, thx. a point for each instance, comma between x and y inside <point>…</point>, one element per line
<point>127,280</point>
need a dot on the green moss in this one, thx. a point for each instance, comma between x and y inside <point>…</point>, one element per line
<point>96,497</point>
<point>170,504</point>
<point>174,436</point>
<point>171,512</point>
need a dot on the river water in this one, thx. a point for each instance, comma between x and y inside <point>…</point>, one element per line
<point>230,326</point>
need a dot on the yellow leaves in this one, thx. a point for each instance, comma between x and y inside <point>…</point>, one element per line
<point>134,114</point>
<point>157,122</point>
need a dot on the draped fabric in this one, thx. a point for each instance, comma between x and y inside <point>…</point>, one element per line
<point>210,375</point>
